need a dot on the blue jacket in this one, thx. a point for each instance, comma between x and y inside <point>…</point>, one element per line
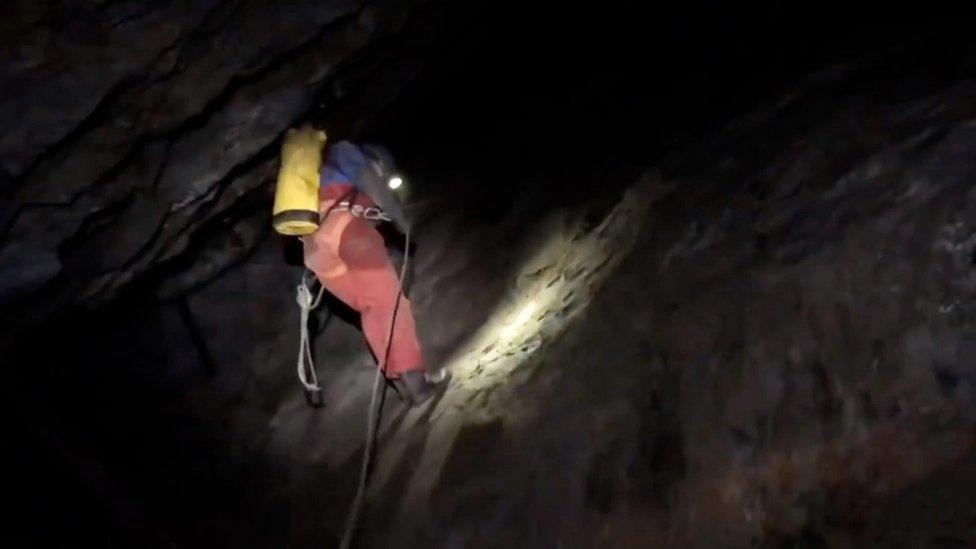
<point>368,169</point>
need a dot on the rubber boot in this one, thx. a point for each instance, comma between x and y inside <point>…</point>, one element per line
<point>420,386</point>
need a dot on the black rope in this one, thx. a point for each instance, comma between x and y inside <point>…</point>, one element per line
<point>351,197</point>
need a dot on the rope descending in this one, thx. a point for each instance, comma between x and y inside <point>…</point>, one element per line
<point>372,419</point>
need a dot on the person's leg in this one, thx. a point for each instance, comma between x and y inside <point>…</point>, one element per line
<point>377,295</point>
<point>377,292</point>
<point>376,283</point>
<point>350,259</point>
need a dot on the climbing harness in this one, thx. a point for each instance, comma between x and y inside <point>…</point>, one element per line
<point>368,213</point>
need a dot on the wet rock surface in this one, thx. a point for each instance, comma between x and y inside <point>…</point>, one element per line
<point>762,336</point>
<point>774,363</point>
<point>784,358</point>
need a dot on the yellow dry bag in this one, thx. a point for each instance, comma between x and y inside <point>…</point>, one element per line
<point>296,205</point>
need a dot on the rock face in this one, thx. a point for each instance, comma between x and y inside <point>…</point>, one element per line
<point>161,117</point>
<point>761,336</point>
<point>787,349</point>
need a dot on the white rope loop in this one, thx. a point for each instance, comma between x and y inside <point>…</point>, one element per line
<point>306,366</point>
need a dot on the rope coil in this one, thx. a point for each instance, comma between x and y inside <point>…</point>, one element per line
<point>306,365</point>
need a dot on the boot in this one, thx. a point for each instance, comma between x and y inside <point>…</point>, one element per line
<point>420,385</point>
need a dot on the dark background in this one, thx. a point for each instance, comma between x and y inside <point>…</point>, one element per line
<point>568,102</point>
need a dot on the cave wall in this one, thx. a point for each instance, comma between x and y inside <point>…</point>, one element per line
<point>783,358</point>
<point>137,163</point>
<point>164,118</point>
<point>755,332</point>
<point>788,349</point>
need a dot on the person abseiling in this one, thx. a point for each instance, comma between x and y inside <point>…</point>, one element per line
<point>349,256</point>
